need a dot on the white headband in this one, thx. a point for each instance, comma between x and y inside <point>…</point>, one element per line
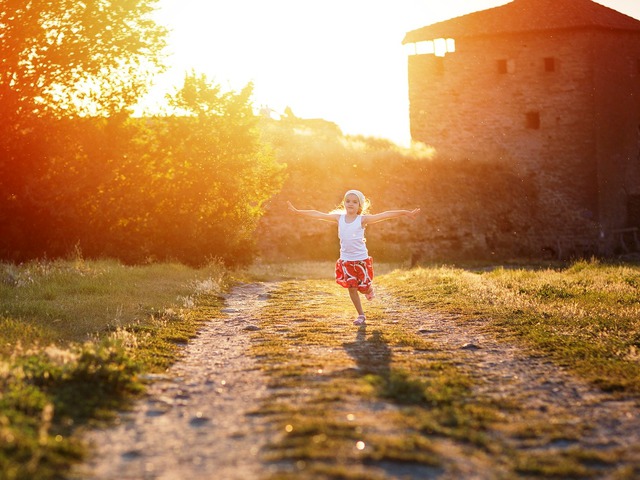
<point>358,194</point>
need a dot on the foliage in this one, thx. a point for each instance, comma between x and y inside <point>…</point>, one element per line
<point>68,58</point>
<point>62,59</point>
<point>212,175</point>
<point>185,188</point>
<point>77,172</point>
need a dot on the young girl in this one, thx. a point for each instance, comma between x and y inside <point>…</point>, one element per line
<point>354,269</point>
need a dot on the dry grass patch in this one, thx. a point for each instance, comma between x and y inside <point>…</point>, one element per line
<point>386,402</point>
<point>358,403</point>
<point>75,338</point>
<point>586,316</point>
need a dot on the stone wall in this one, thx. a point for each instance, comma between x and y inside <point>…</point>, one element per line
<point>617,107</point>
<point>561,107</point>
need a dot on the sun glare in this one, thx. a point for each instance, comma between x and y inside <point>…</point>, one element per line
<point>348,68</point>
<point>341,61</point>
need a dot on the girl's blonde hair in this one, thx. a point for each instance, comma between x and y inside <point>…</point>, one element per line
<point>365,204</point>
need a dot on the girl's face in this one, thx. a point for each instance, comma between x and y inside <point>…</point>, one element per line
<point>351,203</point>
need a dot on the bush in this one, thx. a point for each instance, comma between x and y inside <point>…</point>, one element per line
<point>186,188</point>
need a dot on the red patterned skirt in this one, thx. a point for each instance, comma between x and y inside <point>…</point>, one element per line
<point>355,274</point>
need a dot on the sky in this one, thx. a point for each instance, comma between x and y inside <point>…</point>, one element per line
<point>340,60</point>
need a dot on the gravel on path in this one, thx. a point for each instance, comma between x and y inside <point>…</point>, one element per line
<point>545,393</point>
<point>198,420</point>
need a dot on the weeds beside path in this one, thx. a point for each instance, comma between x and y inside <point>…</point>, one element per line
<point>198,420</point>
<point>284,386</point>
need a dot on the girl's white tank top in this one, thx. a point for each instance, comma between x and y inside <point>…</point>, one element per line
<point>352,242</point>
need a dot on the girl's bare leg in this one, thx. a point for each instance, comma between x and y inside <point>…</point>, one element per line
<point>355,298</point>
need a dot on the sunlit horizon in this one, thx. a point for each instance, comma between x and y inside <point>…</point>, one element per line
<point>340,61</point>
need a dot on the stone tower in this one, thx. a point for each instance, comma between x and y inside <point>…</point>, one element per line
<point>551,86</point>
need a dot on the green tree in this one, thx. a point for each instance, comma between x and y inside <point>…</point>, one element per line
<point>70,57</point>
<point>59,60</point>
<point>207,176</point>
<point>186,187</point>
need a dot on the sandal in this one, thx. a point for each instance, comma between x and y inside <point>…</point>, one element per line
<point>370,295</point>
<point>361,320</point>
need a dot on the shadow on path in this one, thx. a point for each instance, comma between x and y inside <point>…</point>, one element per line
<point>373,358</point>
<point>372,355</point>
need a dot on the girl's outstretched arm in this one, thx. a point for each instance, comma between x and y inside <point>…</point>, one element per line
<point>389,214</point>
<point>328,217</point>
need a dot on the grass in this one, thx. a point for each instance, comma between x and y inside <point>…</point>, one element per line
<point>374,403</point>
<point>585,316</point>
<point>76,337</point>
<point>355,403</point>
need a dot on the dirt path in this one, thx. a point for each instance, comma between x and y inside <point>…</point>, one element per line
<point>197,421</point>
<point>545,393</point>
